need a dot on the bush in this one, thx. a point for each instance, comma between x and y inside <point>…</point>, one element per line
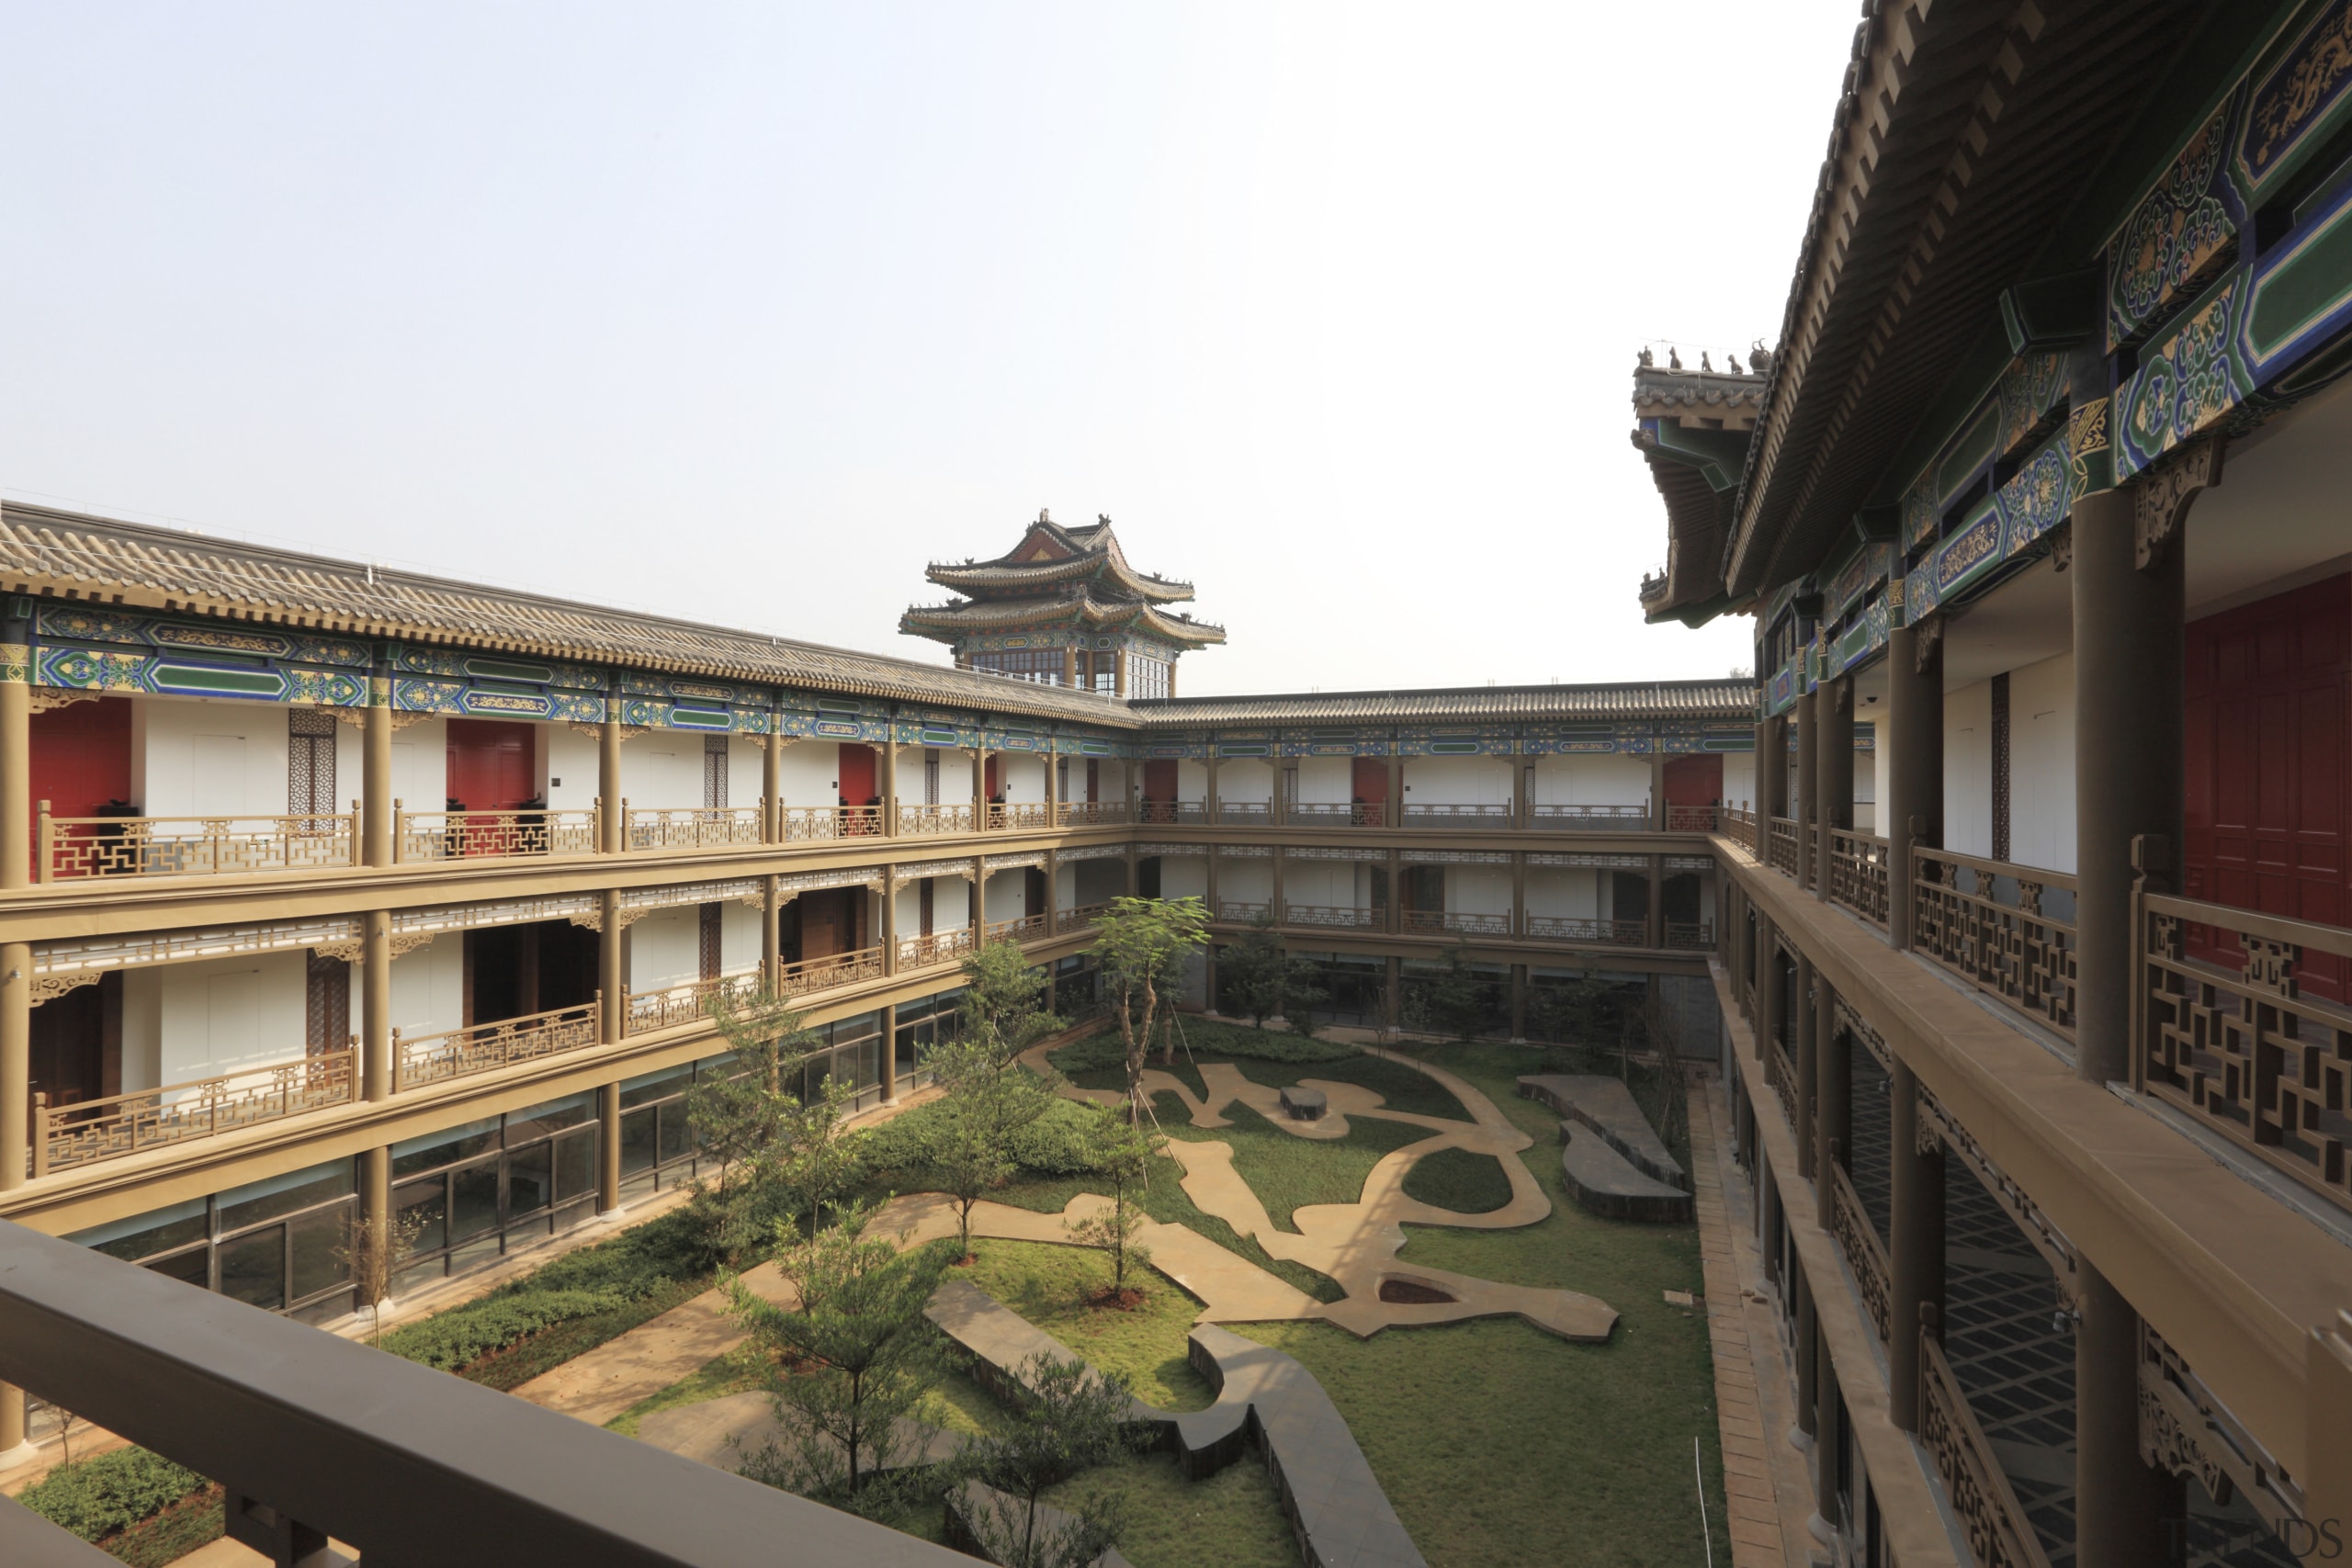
<point>1213,1041</point>
<point>96,1497</point>
<point>1051,1145</point>
<point>462,1336</point>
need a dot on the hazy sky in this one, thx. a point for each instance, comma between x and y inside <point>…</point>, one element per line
<point>744,313</point>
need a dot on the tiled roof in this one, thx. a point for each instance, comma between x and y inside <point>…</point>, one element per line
<point>1092,552</point>
<point>1656,390</point>
<point>102,560</point>
<point>1731,700</point>
<point>959,618</point>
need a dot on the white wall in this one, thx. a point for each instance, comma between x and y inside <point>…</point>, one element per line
<point>665,949</point>
<point>421,770</point>
<point>1338,884</point>
<point>1587,780</point>
<point>1565,892</point>
<point>1192,781</point>
<point>1007,894</point>
<point>218,759</point>
<point>1021,776</point>
<point>1477,889</point>
<point>428,986</point>
<point>1244,779</point>
<point>2041,764</point>
<point>1968,768</point>
<point>574,759</point>
<point>1458,781</point>
<point>227,1015</point>
<point>1184,877</point>
<point>808,774</point>
<point>1244,881</point>
<point>1326,781</point>
<point>739,938</point>
<point>662,770</point>
<point>1739,778</point>
<point>747,769</point>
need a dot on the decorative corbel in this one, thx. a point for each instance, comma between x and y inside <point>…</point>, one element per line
<point>2160,503</point>
<point>1931,644</point>
<point>48,698</point>
<point>47,987</point>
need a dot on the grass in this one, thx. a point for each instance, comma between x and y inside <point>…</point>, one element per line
<point>1457,1179</point>
<point>1048,1285</point>
<point>1288,1172</point>
<point>1233,1519</point>
<point>197,1519</point>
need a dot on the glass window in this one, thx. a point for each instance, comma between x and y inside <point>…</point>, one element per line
<point>655,1086</point>
<point>143,1235</point>
<point>575,1165</point>
<point>252,1268</point>
<point>314,1238</point>
<point>193,1267</point>
<point>473,1200</point>
<point>554,1116</point>
<point>673,1143</point>
<point>437,1150</point>
<point>636,1141</point>
<point>427,1204</point>
<point>283,1194</point>
<point>530,1180</point>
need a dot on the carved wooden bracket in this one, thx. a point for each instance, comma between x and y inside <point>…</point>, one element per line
<point>596,731</point>
<point>47,987</point>
<point>2062,546</point>
<point>46,698</point>
<point>1930,644</point>
<point>2161,501</point>
<point>357,717</point>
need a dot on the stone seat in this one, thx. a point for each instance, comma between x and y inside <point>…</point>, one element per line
<point>1303,1104</point>
<point>1607,1106</point>
<point>1605,1182</point>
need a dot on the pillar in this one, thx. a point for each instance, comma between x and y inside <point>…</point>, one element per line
<point>612,975</point>
<point>1395,815</point>
<point>377,844</point>
<point>1518,903</point>
<point>1808,803</point>
<point>771,793</point>
<point>1053,787</point>
<point>1277,905</point>
<point>1211,811</point>
<point>2127,1514</point>
<point>1805,1057</point>
<point>1396,912</point>
<point>890,1064</point>
<point>1807,1323</point>
<point>1833,772</point>
<point>889,921</point>
<point>15,1447</point>
<point>1052,893</point>
<point>1133,884</point>
<point>1069,669</point>
<point>16,1054</point>
<point>1119,674</point>
<point>889,783</point>
<point>1915,1245</point>
<point>1768,1224</point>
<point>1768,987</point>
<point>608,776</point>
<point>2129,673</point>
<point>1833,1096</point>
<point>1657,789</point>
<point>608,1151</point>
<point>771,929</point>
<point>1211,879</point>
<point>15,759</point>
<point>1771,782</point>
<point>1656,934</point>
<point>376,1046</point>
<point>1392,999</point>
<point>1519,1004</point>
<point>1913,738</point>
<point>980,788</point>
<point>1827,1413</point>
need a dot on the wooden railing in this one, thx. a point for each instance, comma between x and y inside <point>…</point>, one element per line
<point>93,1129</point>
<point>1691,818</point>
<point>1783,845</point>
<point>1590,819</point>
<point>1020,814</point>
<point>1241,911</point>
<point>1865,1254</point>
<point>1579,928</point>
<point>921,819</point>
<point>71,847</point>
<point>1781,1077</point>
<point>1340,915</point>
<point>1084,915</point>
<point>1442,816</point>
<point>1023,928</point>
<point>804,824</point>
<point>1337,813</point>
<point>1998,1533</point>
<point>1094,813</point>
<point>468,835</point>
<point>485,1047</point>
<point>2246,1054</point>
<point>641,1013</point>
<point>1739,816</point>
<point>1245,812</point>
<point>1457,920</point>
<point>1694,935</point>
<point>822,973</point>
<point>690,827</point>
<point>1858,871</point>
<point>2013,949</point>
<point>939,947</point>
<point>1173,813</point>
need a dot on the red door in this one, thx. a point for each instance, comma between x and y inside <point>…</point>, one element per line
<point>989,786</point>
<point>1159,790</point>
<point>81,758</point>
<point>2267,699</point>
<point>857,768</point>
<point>491,765</point>
<point>1093,780</point>
<point>1693,787</point>
<point>1369,787</point>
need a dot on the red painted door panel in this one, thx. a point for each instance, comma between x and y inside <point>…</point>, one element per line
<point>1368,781</point>
<point>1695,780</point>
<point>1159,781</point>
<point>491,765</point>
<point>81,759</point>
<point>857,771</point>
<point>2269,687</point>
<point>989,785</point>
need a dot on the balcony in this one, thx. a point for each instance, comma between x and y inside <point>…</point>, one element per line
<point>1336,814</point>
<point>817,824</point>
<point>1242,911</point>
<point>72,847</point>
<point>1691,818</point>
<point>467,835</point>
<point>1457,920</point>
<point>1984,920</point>
<point>1023,928</point>
<point>485,1047</point>
<point>810,975</point>
<point>1606,933</point>
<point>1173,813</point>
<point>917,820</point>
<point>1335,917</point>
<point>1021,816</point>
<point>695,829</point>
<point>1490,818</point>
<point>1094,813</point>
<point>940,947</point>
<point>1590,819</point>
<point>1695,936</point>
<point>94,1130</point>
<point>1858,874</point>
<point>1781,843</point>
<point>645,1012</point>
<point>1245,812</point>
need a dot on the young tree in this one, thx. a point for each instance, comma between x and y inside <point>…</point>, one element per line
<point>1460,999</point>
<point>967,1136</point>
<point>738,1123</point>
<point>371,1250</point>
<point>1074,1419</point>
<point>1004,999</point>
<point>849,1362</point>
<point>1267,981</point>
<point>818,1157</point>
<point>1120,1152</point>
<point>1141,944</point>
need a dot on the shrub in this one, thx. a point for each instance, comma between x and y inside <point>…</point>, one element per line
<point>462,1336</point>
<point>1051,1145</point>
<point>96,1497</point>
<point>1213,1041</point>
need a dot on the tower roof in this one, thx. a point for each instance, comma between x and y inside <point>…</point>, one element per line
<point>1059,576</point>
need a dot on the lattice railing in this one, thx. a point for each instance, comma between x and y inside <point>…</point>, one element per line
<point>1457,920</point>
<point>1857,872</point>
<point>1241,911</point>
<point>1783,1079</point>
<point>1589,818</point>
<point>1577,928</point>
<point>71,847</point>
<point>939,947</point>
<point>917,820</point>
<point>643,1012</point>
<point>1243,813</point>
<point>823,974</point>
<point>692,828</point>
<point>1339,915</point>
<point>1991,1519</point>
<point>1739,816</point>
<point>1960,920</point>
<point>1020,815</point>
<point>806,824</point>
<point>1865,1254</point>
<point>1338,813</point>
<point>1084,915</point>
<point>1694,935</point>
<point>1173,813</point>
<point>1782,844</point>
<point>93,1129</point>
<point>2246,1054</point>
<point>467,835</point>
<point>1435,815</point>
<point>1094,813</point>
<point>1026,928</point>
<point>485,1047</point>
<point>1691,818</point>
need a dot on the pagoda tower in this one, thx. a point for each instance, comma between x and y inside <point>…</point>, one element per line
<point>1064,608</point>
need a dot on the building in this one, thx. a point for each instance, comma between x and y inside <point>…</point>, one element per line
<point>2042,1073</point>
<point>337,888</point>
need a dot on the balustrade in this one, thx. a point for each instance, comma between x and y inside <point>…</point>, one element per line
<point>485,1047</point>
<point>1241,911</point>
<point>2246,1054</point>
<point>1457,920</point>
<point>1094,813</point>
<point>808,975</point>
<point>807,823</point>
<point>1690,819</point>
<point>1021,814</point>
<point>1739,816</point>
<point>1334,915</point>
<point>1984,920</point>
<point>1857,872</point>
<point>1782,844</point>
<point>71,847</point>
<point>1337,813</point>
<point>1084,915</point>
<point>641,1013</point>
<point>1021,929</point>
<point>1245,812</point>
<point>1173,813</point>
<point>692,828</point>
<point>921,819</point>
<point>1865,1254</point>
<point>1436,815</point>
<point>1578,928</point>
<point>1782,1078</point>
<point>1998,1533</point>
<point>1590,819</point>
<point>91,1130</point>
<point>939,947</point>
<point>1692,935</point>
<point>467,835</point>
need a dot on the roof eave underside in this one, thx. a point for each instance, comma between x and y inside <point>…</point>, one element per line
<point>1725,701</point>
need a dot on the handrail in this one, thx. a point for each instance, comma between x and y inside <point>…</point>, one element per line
<point>1982,1500</point>
<point>807,974</point>
<point>467,835</point>
<point>1084,914</point>
<point>1857,872</point>
<point>1783,844</point>
<point>1696,935</point>
<point>485,1047</point>
<point>921,819</point>
<point>71,847</point>
<point>1337,813</point>
<point>1094,813</point>
<point>645,1011</point>
<point>940,947</point>
<point>1240,811</point>
<point>1579,928</point>
<point>91,1130</point>
<point>815,823</point>
<point>1340,915</point>
<point>1172,812</point>
<point>1015,930</point>
<point>1440,815</point>
<point>2014,951</point>
<point>1457,920</point>
<point>1020,815</point>
<point>1241,911</point>
<point>1683,818</point>
<point>2246,1055</point>
<point>1590,819</point>
<point>1739,816</point>
<point>1865,1254</point>
<point>667,827</point>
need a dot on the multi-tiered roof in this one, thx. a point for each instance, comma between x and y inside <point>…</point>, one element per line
<point>1057,576</point>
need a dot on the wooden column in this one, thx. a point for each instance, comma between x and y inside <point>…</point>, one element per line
<point>1768,989</point>
<point>1210,880</point>
<point>1828,1412</point>
<point>1915,1247</point>
<point>1069,669</point>
<point>1656,933</point>
<point>1276,903</point>
<point>1519,1004</point>
<point>1805,1319</point>
<point>1833,1093</point>
<point>1771,782</point>
<point>1395,892</point>
<point>608,777</point>
<point>16,1449</point>
<point>15,757</point>
<point>16,1054</point>
<point>772,792</point>
<point>1052,893</point>
<point>2127,1514</point>
<point>377,846</point>
<point>1808,802</point>
<point>2129,666</point>
<point>377,1047</point>
<point>1657,789</point>
<point>1805,1057</point>
<point>889,919</point>
<point>890,786</point>
<point>1130,779</point>
<point>1394,817</point>
<point>1518,898</point>
<point>1834,773</point>
<point>1392,999</point>
<point>1119,673</point>
<point>771,931</point>
<point>979,789</point>
<point>612,971</point>
<point>1134,887</point>
<point>889,1065</point>
<point>1914,736</point>
<point>1053,787</point>
<point>1211,811</point>
<point>608,1151</point>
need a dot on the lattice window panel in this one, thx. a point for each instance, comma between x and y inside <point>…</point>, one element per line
<point>310,763</point>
